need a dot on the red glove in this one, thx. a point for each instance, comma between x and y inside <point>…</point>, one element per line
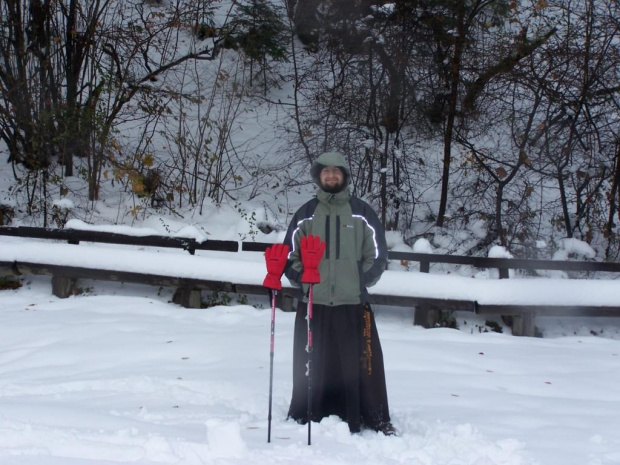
<point>275,259</point>
<point>312,248</point>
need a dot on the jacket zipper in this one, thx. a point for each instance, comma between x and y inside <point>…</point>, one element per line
<point>337,251</point>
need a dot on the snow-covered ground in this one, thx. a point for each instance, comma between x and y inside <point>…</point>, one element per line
<point>120,375</point>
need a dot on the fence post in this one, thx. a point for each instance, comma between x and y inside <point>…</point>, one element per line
<point>63,287</point>
<point>286,299</point>
<point>426,316</point>
<point>423,314</point>
<point>187,297</point>
<point>523,325</point>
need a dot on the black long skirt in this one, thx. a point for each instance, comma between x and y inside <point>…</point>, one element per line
<point>348,377</point>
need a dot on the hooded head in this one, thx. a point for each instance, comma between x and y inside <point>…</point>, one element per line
<point>330,159</point>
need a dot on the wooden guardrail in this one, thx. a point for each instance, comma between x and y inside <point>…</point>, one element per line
<point>427,310</point>
<point>75,236</point>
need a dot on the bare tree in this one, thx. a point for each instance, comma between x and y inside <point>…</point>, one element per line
<point>577,146</point>
<point>470,20</point>
<point>70,68</point>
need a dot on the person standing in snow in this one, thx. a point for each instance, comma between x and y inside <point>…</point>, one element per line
<point>348,378</point>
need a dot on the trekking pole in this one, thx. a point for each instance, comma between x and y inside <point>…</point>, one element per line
<point>312,249</point>
<point>309,372</point>
<point>271,352</point>
<point>276,257</point>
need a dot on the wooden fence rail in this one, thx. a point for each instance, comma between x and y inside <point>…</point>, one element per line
<point>74,236</point>
<point>427,310</point>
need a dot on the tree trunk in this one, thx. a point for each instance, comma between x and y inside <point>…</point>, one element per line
<point>564,200</point>
<point>452,106</point>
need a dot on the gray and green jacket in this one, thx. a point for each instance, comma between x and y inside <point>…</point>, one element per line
<point>356,251</point>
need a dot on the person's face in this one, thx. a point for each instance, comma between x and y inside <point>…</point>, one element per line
<point>332,179</point>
